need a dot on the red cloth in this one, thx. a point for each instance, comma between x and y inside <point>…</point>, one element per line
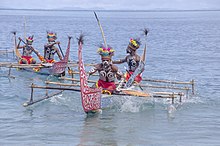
<point>109,86</point>
<point>50,61</point>
<point>137,79</point>
<point>29,59</point>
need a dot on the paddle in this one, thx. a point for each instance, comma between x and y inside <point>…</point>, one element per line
<point>22,41</point>
<point>130,75</point>
<point>103,35</point>
<point>18,54</point>
<point>60,49</point>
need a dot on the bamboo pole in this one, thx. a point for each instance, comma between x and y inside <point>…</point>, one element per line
<point>155,95</point>
<point>41,99</point>
<point>55,88</point>
<point>76,80</point>
<point>165,87</point>
<point>193,87</point>
<point>172,96</point>
<point>61,84</point>
<point>142,85</point>
<point>16,65</point>
<point>167,81</point>
<point>32,92</point>
<point>154,80</point>
<point>168,93</point>
<point>76,72</point>
<point>72,64</point>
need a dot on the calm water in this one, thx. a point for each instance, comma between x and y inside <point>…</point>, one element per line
<point>181,46</point>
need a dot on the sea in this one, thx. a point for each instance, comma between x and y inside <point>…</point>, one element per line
<point>181,46</point>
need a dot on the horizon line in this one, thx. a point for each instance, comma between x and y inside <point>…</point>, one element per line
<point>116,10</point>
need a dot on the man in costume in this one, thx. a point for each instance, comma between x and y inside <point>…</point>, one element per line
<point>50,49</point>
<point>26,57</point>
<point>133,59</point>
<point>108,72</point>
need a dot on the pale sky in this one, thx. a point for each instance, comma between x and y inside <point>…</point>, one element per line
<point>112,4</point>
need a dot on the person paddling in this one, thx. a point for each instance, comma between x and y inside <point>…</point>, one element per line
<point>133,59</point>
<point>50,49</point>
<point>108,72</point>
<point>26,57</point>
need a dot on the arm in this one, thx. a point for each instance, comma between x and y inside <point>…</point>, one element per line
<point>118,73</point>
<point>50,45</point>
<point>38,54</point>
<point>119,61</point>
<point>93,69</point>
<point>138,58</point>
<point>45,48</point>
<point>120,77</point>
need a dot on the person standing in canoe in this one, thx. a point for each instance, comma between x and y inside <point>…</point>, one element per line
<point>50,49</point>
<point>26,57</point>
<point>133,59</point>
<point>108,72</point>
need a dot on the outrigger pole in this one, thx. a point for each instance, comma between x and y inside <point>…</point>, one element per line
<point>32,101</point>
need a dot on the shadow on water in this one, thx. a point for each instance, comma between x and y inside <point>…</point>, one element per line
<point>98,130</point>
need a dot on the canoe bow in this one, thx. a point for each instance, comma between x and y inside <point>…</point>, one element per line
<point>91,97</point>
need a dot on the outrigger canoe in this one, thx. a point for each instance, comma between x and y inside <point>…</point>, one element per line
<point>57,68</point>
<point>91,98</point>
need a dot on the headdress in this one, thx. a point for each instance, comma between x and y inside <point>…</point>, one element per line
<point>30,38</point>
<point>134,43</point>
<point>106,53</point>
<point>51,35</point>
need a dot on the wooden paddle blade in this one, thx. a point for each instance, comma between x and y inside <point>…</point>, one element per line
<point>136,93</point>
<point>17,53</point>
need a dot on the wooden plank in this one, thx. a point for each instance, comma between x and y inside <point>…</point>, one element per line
<point>135,93</point>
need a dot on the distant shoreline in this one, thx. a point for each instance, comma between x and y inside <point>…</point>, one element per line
<point>106,10</point>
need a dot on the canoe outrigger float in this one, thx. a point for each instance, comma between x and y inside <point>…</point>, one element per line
<point>91,97</point>
<point>57,68</point>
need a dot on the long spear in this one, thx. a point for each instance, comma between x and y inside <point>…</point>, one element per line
<point>103,35</point>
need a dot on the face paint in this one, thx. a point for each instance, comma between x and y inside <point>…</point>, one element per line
<point>29,42</point>
<point>105,63</point>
